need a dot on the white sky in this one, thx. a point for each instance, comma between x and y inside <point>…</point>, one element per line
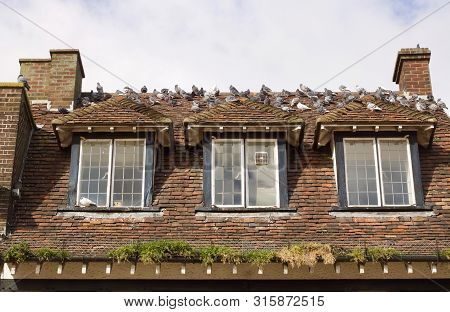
<point>244,43</point>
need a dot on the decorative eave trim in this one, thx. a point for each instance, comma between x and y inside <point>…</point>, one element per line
<point>324,131</point>
<point>194,131</point>
<point>91,269</point>
<point>64,132</point>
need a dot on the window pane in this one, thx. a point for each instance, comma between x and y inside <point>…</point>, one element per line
<point>262,173</point>
<point>94,171</point>
<point>128,173</point>
<point>227,173</point>
<point>360,172</point>
<point>395,172</point>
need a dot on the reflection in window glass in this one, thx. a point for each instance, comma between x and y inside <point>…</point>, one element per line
<point>360,169</point>
<point>227,173</point>
<point>261,173</point>
<point>128,173</point>
<point>395,172</point>
<point>94,171</point>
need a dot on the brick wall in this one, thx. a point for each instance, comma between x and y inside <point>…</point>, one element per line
<point>57,79</point>
<point>15,129</point>
<point>412,71</point>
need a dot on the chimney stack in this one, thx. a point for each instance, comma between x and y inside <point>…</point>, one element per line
<point>57,79</point>
<point>412,71</point>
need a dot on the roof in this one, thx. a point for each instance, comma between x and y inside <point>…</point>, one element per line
<point>357,112</point>
<point>243,112</point>
<point>178,189</point>
<point>389,118</point>
<point>118,112</point>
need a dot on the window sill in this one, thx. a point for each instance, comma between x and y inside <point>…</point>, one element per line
<point>381,209</point>
<point>243,210</point>
<point>108,209</point>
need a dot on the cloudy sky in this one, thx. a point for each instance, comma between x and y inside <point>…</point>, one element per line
<point>241,42</point>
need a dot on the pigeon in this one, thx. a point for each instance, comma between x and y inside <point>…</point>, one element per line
<point>285,108</point>
<point>402,100</point>
<point>267,101</point>
<point>343,88</point>
<point>418,46</point>
<point>322,110</point>
<point>327,99</point>
<point>234,91</point>
<point>99,88</point>
<point>85,101</point>
<point>372,107</point>
<point>265,89</point>
<point>302,107</point>
<point>127,89</point>
<point>379,93</point>
<point>160,96</point>
<point>304,88</point>
<point>86,202</point>
<point>341,104</point>
<point>350,98</point>
<point>279,101</point>
<point>231,98</point>
<point>245,93</point>
<point>284,93</point>
<point>430,97</point>
<point>433,107</point>
<point>63,110</point>
<point>144,89</point>
<point>178,89</point>
<point>118,92</point>
<point>441,104</point>
<point>195,90</point>
<point>165,91</point>
<point>421,106</point>
<point>361,90</point>
<point>295,101</point>
<point>327,92</point>
<point>195,107</point>
<point>24,80</point>
<point>216,91</point>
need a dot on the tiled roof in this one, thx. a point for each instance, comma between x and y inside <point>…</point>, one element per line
<point>357,112</point>
<point>116,110</point>
<point>178,189</point>
<point>243,112</point>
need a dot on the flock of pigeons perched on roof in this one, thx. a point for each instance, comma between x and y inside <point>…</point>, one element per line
<point>285,100</point>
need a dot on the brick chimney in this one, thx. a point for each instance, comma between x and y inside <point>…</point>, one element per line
<point>412,71</point>
<point>57,79</point>
<point>16,128</point>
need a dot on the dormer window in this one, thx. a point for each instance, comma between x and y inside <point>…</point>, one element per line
<point>111,172</point>
<point>378,171</point>
<point>245,173</point>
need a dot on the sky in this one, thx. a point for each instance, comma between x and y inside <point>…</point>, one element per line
<point>242,42</point>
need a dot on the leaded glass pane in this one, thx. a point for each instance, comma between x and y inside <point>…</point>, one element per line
<point>360,170</point>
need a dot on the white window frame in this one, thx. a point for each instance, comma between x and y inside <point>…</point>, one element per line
<point>277,174</point>
<point>374,144</point>
<point>111,180</point>
<point>213,173</point>
<point>410,173</point>
<point>244,173</point>
<point>378,170</point>
<point>111,167</point>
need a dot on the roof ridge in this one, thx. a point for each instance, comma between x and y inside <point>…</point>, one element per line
<point>122,101</point>
<point>248,103</point>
